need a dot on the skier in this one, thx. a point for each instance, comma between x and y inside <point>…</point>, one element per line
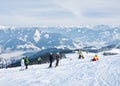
<point>26,62</point>
<point>57,59</point>
<point>95,58</point>
<point>80,55</point>
<point>4,63</point>
<point>50,59</point>
<point>22,64</point>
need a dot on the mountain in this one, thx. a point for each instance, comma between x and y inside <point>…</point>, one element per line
<point>38,38</point>
<point>70,72</point>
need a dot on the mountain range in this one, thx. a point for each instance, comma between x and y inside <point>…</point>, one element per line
<point>38,38</point>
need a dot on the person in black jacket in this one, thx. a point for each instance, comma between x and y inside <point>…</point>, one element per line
<point>57,59</point>
<point>50,59</point>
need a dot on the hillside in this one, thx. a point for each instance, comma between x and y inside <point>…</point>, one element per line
<point>70,72</point>
<point>38,38</point>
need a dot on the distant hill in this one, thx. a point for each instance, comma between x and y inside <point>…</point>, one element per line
<point>38,38</point>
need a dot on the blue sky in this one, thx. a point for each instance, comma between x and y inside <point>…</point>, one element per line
<point>59,12</point>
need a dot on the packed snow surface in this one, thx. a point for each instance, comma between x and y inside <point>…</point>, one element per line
<point>70,72</point>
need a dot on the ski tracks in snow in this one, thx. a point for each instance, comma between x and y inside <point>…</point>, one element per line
<point>80,71</point>
<point>109,75</point>
<point>70,72</point>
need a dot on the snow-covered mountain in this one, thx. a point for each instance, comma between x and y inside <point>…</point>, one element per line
<point>70,72</point>
<point>37,38</point>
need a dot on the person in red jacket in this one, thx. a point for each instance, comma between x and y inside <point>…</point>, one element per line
<point>95,58</point>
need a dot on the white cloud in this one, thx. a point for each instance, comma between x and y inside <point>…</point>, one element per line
<point>59,12</point>
<point>93,11</point>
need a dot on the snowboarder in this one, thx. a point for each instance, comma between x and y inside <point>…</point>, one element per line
<point>80,55</point>
<point>57,59</point>
<point>26,62</point>
<point>95,58</point>
<point>22,64</point>
<point>50,59</point>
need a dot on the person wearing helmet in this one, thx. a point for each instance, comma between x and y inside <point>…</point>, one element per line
<point>95,58</point>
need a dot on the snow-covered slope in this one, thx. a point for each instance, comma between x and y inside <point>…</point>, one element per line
<point>70,72</point>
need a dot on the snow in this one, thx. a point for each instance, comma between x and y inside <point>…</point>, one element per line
<point>116,36</point>
<point>4,27</point>
<point>70,72</point>
<point>37,36</point>
<point>8,55</point>
<point>46,36</point>
<point>14,54</point>
<point>114,51</point>
<point>24,38</point>
<point>0,48</point>
<point>30,45</point>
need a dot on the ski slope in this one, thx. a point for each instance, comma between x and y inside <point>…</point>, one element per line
<point>70,72</point>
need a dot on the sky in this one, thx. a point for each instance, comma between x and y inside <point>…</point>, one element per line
<point>59,12</point>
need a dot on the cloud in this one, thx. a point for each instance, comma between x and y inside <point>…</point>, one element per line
<point>95,8</point>
<point>98,13</point>
<point>59,12</point>
<point>93,11</point>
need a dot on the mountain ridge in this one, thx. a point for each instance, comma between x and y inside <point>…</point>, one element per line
<point>37,38</point>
